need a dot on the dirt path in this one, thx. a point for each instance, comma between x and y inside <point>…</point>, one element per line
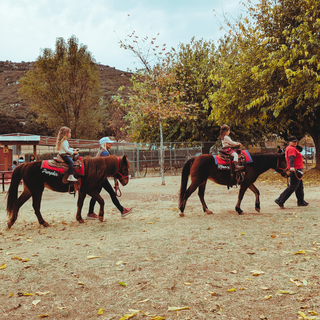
<point>166,261</point>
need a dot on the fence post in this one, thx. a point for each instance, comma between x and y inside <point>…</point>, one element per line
<point>138,170</point>
<point>170,159</point>
<point>2,181</point>
<point>306,153</point>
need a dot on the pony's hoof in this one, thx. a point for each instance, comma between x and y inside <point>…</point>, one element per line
<point>258,210</point>
<point>10,224</point>
<point>208,211</point>
<point>101,218</point>
<point>81,221</point>
<point>46,224</point>
<point>181,214</point>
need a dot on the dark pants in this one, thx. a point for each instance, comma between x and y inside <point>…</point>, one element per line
<point>107,186</point>
<point>296,186</point>
<point>69,162</point>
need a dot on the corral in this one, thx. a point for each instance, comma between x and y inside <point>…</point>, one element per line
<point>220,266</point>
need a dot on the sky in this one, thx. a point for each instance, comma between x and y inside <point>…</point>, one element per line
<point>28,26</point>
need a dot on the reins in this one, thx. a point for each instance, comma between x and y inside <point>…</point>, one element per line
<point>116,183</point>
<point>287,169</point>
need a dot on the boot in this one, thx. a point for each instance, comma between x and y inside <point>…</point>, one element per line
<point>237,167</point>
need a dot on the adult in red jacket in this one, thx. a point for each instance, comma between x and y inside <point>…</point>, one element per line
<point>295,163</point>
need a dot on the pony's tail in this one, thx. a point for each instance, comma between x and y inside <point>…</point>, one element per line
<point>13,193</point>
<point>184,179</point>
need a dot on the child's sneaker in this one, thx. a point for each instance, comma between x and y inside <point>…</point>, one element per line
<point>72,178</point>
<point>125,212</point>
<point>92,216</point>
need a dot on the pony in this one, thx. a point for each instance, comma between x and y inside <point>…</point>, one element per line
<point>96,170</point>
<point>203,167</point>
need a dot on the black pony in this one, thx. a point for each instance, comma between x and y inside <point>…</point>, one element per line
<point>95,173</point>
<point>203,167</point>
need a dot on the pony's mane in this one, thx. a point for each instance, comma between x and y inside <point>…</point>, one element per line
<point>264,157</point>
<point>99,167</point>
<point>102,167</point>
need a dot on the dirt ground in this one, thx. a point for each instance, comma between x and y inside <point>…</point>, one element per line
<point>221,266</point>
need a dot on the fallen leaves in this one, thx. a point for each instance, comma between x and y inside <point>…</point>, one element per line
<point>93,257</point>
<point>257,272</point>
<point>3,266</point>
<point>128,316</point>
<point>177,308</point>
<point>231,290</point>
<point>123,284</point>
<point>281,292</point>
<point>100,311</point>
<point>43,293</point>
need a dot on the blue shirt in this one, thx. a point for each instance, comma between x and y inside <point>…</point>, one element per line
<point>105,154</point>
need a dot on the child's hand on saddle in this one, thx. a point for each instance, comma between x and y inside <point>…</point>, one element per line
<point>75,151</point>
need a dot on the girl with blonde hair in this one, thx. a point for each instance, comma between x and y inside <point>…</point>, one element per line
<point>62,147</point>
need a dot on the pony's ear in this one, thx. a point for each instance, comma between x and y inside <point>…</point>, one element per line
<point>124,160</point>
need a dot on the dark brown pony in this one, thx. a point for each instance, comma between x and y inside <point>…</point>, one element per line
<point>96,170</point>
<point>203,167</point>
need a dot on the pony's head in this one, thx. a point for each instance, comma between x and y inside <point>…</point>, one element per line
<point>122,173</point>
<point>282,164</point>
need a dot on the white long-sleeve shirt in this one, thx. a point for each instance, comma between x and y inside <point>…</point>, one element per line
<point>64,148</point>
<point>228,143</point>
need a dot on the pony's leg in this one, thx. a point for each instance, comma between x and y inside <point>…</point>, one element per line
<point>36,201</point>
<point>254,189</point>
<point>243,189</point>
<point>81,197</point>
<point>201,191</point>
<point>96,196</point>
<point>192,188</point>
<point>25,196</point>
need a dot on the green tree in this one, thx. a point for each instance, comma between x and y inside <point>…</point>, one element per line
<point>64,88</point>
<point>154,96</point>
<point>269,70</point>
<point>192,65</point>
<point>9,124</point>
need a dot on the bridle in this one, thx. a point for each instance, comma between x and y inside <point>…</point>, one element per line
<point>281,170</point>
<point>116,182</point>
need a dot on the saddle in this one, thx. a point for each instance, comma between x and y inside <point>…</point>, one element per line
<point>58,163</point>
<point>228,159</point>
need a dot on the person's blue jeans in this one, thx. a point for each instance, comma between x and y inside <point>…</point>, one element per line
<point>69,162</point>
<point>296,186</point>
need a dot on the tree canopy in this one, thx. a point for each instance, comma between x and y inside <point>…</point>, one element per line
<point>64,88</point>
<point>268,70</point>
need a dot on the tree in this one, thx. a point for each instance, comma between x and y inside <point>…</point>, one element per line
<point>9,124</point>
<point>192,65</point>
<point>269,70</point>
<point>64,88</point>
<point>154,95</point>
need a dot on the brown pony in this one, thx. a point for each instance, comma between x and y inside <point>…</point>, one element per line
<point>95,173</point>
<point>203,167</point>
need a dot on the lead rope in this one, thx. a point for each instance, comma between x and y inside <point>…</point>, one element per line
<point>116,183</point>
<point>116,188</point>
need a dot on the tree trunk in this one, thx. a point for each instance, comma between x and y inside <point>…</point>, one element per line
<point>161,154</point>
<point>316,141</point>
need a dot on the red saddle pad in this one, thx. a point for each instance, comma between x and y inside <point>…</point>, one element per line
<point>246,154</point>
<point>45,165</point>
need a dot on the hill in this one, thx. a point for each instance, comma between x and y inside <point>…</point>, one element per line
<point>10,73</point>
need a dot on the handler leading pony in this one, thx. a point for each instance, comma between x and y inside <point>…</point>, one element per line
<point>203,167</point>
<point>95,173</point>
